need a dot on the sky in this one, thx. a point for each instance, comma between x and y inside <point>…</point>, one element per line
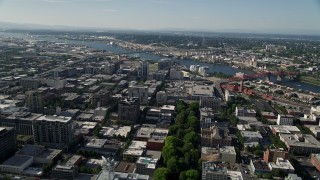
<point>212,15</point>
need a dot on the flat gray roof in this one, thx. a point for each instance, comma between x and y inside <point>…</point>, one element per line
<point>17,160</point>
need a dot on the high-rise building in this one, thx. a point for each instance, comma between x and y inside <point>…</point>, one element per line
<point>7,142</point>
<point>100,98</point>
<point>22,122</point>
<point>129,110</point>
<point>34,101</point>
<point>144,69</point>
<point>140,92</point>
<point>164,64</point>
<point>53,131</point>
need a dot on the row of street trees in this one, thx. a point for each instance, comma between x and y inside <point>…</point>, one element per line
<point>181,152</point>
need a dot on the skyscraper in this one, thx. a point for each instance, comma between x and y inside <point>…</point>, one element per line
<point>144,69</point>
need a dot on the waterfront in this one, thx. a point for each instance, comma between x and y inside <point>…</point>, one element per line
<point>228,70</point>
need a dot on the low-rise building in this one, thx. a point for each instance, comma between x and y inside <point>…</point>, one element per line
<point>285,119</point>
<point>251,138</point>
<point>228,154</point>
<point>214,171</point>
<point>243,111</point>
<point>40,154</point>
<point>219,171</point>
<point>284,129</point>
<point>210,102</point>
<point>207,117</point>
<point>315,160</point>
<point>64,172</point>
<point>215,137</point>
<point>315,130</point>
<point>125,167</point>
<point>135,150</point>
<point>146,166</point>
<point>16,164</point>
<point>282,165</point>
<point>292,177</point>
<point>68,170</point>
<point>103,146</point>
<point>271,155</point>
<point>259,167</point>
<point>301,143</point>
<point>210,154</point>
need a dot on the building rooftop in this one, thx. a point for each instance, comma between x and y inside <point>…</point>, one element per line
<point>260,165</point>
<point>17,160</point>
<point>281,164</point>
<point>54,118</point>
<point>39,151</point>
<point>96,143</point>
<point>153,154</point>
<point>293,177</point>
<point>227,150</point>
<point>27,116</point>
<point>134,152</point>
<point>213,167</point>
<point>149,162</point>
<point>201,90</point>
<point>302,140</point>
<point>251,134</point>
<point>73,160</point>
<point>125,167</point>
<point>168,107</point>
<point>145,132</point>
<point>285,129</point>
<point>138,145</point>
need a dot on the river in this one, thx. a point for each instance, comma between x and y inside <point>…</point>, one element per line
<point>149,56</point>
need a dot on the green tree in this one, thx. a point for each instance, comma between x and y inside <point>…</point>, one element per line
<point>191,174</point>
<point>193,122</point>
<point>191,137</point>
<point>161,174</point>
<point>234,120</point>
<point>168,151</point>
<point>172,165</point>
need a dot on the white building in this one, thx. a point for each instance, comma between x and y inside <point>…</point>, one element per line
<point>285,120</point>
<point>282,165</point>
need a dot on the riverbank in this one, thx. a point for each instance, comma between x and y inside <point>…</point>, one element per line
<point>310,80</point>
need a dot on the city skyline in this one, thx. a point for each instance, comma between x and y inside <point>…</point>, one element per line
<point>288,17</point>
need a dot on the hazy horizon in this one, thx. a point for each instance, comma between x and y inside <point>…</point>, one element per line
<point>252,16</point>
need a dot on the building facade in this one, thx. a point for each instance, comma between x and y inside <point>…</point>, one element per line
<point>140,92</point>
<point>53,131</point>
<point>285,120</point>
<point>7,142</point>
<point>271,155</point>
<point>129,110</point>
